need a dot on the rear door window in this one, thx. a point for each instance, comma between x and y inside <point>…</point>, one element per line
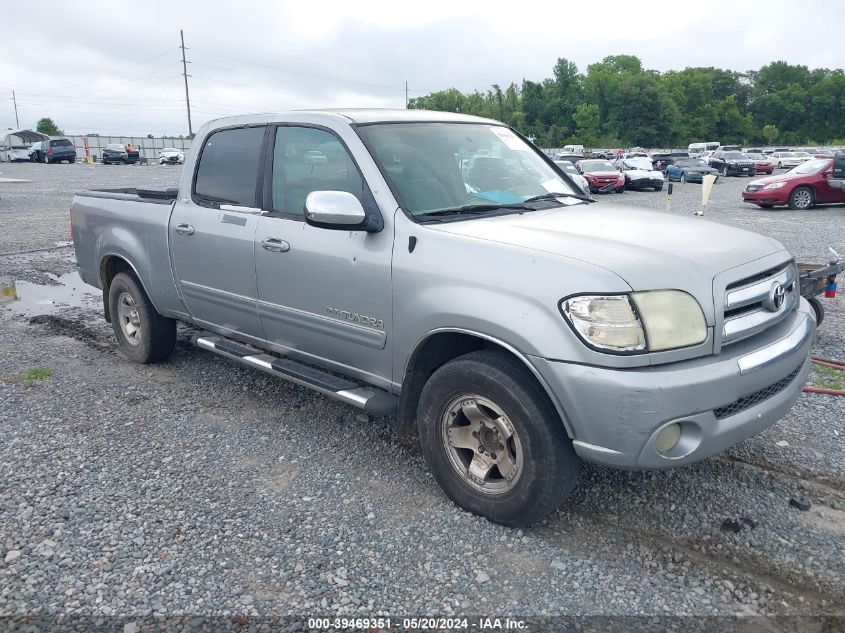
<point>61,143</point>
<point>227,172</point>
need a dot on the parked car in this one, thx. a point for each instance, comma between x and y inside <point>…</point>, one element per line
<point>572,158</point>
<point>690,170</point>
<point>57,151</point>
<point>601,176</point>
<point>762,163</point>
<point>515,330</point>
<point>661,160</point>
<point>639,173</point>
<point>788,159</point>
<point>115,153</point>
<point>171,156</point>
<point>572,172</point>
<point>800,188</point>
<point>732,163</point>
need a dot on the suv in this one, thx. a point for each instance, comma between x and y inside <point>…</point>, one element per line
<point>732,163</point>
<point>57,150</point>
<point>115,153</point>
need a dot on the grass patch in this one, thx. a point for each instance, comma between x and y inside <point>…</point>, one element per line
<point>829,378</point>
<point>29,377</point>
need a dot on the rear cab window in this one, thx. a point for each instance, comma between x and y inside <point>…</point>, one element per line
<point>228,167</point>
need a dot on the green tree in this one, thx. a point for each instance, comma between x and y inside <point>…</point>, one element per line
<point>770,132</point>
<point>48,126</point>
<point>587,124</point>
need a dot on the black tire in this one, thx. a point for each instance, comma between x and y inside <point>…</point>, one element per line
<point>157,334</point>
<point>801,199</point>
<point>658,187</point>
<point>818,308</point>
<point>549,465</point>
<point>683,178</point>
<point>767,206</point>
<point>725,171</point>
<point>620,190</point>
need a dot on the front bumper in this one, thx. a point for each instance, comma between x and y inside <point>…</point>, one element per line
<point>644,183</point>
<point>767,196</point>
<point>720,400</point>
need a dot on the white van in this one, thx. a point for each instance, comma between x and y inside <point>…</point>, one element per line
<point>572,149</point>
<point>697,149</point>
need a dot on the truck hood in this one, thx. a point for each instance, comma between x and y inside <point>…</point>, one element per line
<point>650,250</point>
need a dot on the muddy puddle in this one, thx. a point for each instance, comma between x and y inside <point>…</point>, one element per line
<point>29,299</point>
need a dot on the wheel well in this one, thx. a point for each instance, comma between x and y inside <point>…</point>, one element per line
<point>431,354</point>
<point>109,268</point>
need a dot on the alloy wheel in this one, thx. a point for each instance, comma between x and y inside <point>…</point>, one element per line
<point>482,444</point>
<point>130,321</point>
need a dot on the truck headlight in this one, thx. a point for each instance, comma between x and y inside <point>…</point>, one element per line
<point>672,319</point>
<point>605,321</point>
<point>650,321</point>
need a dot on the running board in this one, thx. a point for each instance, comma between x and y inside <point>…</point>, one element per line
<point>372,401</point>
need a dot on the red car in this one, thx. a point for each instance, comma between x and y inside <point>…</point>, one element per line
<point>799,188</point>
<point>762,163</point>
<point>602,176</point>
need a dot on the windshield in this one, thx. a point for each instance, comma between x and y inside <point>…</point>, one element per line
<point>756,157</point>
<point>638,163</point>
<point>734,155</point>
<point>693,163</point>
<point>439,166</point>
<point>811,166</point>
<point>597,165</point>
<point>170,149</point>
<point>114,146</point>
<point>800,154</point>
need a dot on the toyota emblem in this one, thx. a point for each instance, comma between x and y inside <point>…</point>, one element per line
<point>777,295</point>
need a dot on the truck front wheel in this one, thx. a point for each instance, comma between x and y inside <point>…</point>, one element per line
<point>493,440</point>
<point>144,335</point>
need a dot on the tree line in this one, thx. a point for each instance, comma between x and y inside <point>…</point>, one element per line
<point>618,103</point>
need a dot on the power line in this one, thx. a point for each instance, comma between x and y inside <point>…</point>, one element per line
<point>296,72</point>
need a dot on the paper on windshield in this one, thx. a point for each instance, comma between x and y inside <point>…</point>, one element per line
<point>507,137</point>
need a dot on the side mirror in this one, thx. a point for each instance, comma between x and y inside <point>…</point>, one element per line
<point>338,210</point>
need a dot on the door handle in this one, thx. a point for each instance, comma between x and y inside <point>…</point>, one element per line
<point>184,229</point>
<point>275,245</point>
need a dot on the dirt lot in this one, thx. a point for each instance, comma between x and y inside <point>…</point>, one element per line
<point>197,487</point>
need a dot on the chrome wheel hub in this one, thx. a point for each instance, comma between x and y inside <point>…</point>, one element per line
<point>802,199</point>
<point>130,321</point>
<point>482,444</point>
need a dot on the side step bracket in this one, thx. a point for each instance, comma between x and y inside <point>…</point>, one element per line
<point>369,399</point>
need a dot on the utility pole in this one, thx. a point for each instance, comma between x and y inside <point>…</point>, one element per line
<point>185,75</point>
<point>17,123</point>
<point>406,95</point>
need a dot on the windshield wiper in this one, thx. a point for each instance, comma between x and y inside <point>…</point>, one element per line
<point>552,196</point>
<point>472,209</point>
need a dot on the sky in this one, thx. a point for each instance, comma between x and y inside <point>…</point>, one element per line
<point>115,67</point>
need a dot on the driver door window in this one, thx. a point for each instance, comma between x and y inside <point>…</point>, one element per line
<point>310,159</point>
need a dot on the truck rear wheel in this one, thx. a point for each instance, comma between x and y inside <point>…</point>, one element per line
<point>493,440</point>
<point>144,335</point>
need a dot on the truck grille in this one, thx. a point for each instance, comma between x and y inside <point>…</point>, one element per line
<point>746,402</point>
<point>758,302</point>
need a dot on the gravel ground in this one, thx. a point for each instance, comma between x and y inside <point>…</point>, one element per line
<point>198,487</point>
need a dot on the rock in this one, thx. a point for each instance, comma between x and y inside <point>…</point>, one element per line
<point>799,504</point>
<point>558,564</point>
<point>481,577</point>
<point>782,443</point>
<point>12,555</point>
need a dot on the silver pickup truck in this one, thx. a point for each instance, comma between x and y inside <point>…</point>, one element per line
<point>439,268</point>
